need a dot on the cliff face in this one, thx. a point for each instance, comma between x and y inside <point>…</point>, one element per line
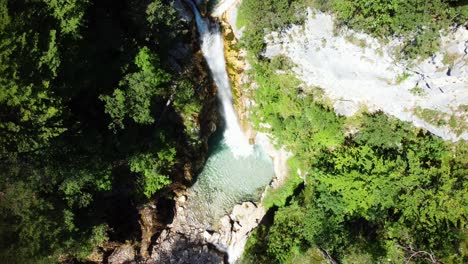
<point>356,70</point>
<point>184,239</point>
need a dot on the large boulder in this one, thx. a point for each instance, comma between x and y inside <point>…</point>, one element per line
<point>123,254</point>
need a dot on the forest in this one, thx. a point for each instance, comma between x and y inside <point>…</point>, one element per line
<point>99,111</point>
<point>361,189</point>
<point>107,106</point>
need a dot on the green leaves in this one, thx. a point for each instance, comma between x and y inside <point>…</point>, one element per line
<point>61,169</point>
<point>282,105</point>
<point>388,184</point>
<point>152,167</point>
<point>259,16</point>
<point>382,132</point>
<point>115,107</point>
<point>418,22</point>
<point>30,62</point>
<point>286,233</point>
<point>51,57</point>
<point>136,96</point>
<point>69,14</point>
<point>4,16</point>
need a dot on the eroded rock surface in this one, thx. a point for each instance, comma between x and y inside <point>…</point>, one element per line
<point>186,240</point>
<point>123,254</point>
<point>356,70</point>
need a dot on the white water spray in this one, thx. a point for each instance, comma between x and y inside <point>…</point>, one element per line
<point>213,51</point>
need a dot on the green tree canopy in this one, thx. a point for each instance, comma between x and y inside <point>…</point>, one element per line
<point>137,91</point>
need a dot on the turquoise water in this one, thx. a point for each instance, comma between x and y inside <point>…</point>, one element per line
<point>235,171</point>
<point>227,180</point>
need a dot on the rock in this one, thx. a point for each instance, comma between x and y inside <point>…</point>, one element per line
<point>123,254</point>
<point>215,238</point>
<point>246,217</point>
<point>222,6</point>
<point>225,222</point>
<point>236,227</point>
<point>372,78</point>
<point>97,256</point>
<point>147,221</point>
<point>182,199</point>
<point>179,50</point>
<point>185,14</point>
<point>213,127</point>
<point>231,18</point>
<point>182,250</point>
<point>163,234</point>
<point>206,235</point>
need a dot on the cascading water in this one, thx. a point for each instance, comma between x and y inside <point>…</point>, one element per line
<point>235,171</point>
<point>213,52</point>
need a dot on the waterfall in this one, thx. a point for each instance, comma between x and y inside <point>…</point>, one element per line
<point>213,52</point>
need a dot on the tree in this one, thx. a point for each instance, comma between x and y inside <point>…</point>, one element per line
<point>29,109</point>
<point>152,167</point>
<point>387,191</point>
<point>62,170</point>
<point>137,94</point>
<point>68,13</point>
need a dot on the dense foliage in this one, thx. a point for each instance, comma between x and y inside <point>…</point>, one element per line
<point>417,22</point>
<point>96,117</point>
<point>385,192</point>
<point>363,189</point>
<point>101,104</point>
<point>261,16</point>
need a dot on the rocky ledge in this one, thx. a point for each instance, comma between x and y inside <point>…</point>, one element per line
<point>186,240</point>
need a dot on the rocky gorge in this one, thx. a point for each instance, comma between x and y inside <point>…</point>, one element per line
<point>186,240</point>
<point>169,231</point>
<point>380,84</point>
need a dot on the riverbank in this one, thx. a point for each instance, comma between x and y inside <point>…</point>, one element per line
<point>238,66</point>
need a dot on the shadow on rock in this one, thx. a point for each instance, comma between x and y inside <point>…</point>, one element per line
<point>180,250</point>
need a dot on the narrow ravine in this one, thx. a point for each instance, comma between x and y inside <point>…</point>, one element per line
<point>235,171</point>
<point>213,51</point>
<point>216,214</point>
